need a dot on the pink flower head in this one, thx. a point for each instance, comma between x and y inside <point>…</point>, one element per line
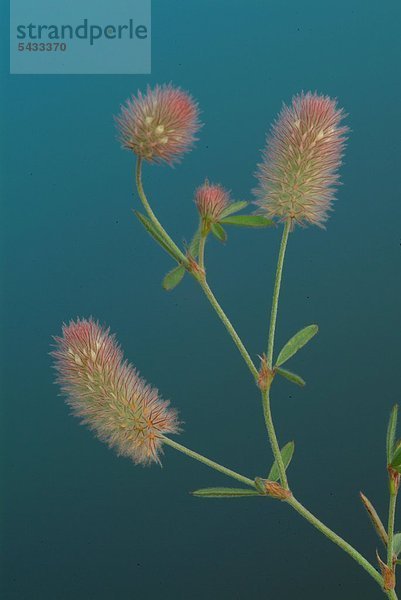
<point>108,394</point>
<point>159,126</point>
<point>211,200</point>
<point>299,172</point>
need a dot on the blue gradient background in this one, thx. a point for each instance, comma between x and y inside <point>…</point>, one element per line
<point>76,521</point>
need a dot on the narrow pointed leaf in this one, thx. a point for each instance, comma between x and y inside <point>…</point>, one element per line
<point>150,228</point>
<point>223,492</point>
<point>291,376</point>
<point>296,343</point>
<point>397,543</point>
<point>219,232</point>
<point>233,208</point>
<point>193,247</point>
<point>173,278</point>
<point>391,433</point>
<point>287,452</point>
<point>247,221</point>
<point>396,459</point>
<point>375,519</point>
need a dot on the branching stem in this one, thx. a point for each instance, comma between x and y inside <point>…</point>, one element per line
<point>201,278</point>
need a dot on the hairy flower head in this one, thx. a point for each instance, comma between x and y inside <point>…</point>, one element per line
<point>107,393</point>
<point>299,172</point>
<point>211,200</point>
<point>159,126</point>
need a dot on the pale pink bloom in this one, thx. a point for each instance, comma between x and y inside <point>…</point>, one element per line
<point>159,126</point>
<point>211,200</point>
<point>299,172</point>
<point>108,394</point>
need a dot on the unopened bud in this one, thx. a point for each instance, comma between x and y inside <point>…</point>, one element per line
<point>265,376</point>
<point>194,267</point>
<point>388,574</point>
<point>272,489</point>
<point>394,479</point>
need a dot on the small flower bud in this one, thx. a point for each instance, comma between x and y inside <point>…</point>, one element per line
<point>211,200</point>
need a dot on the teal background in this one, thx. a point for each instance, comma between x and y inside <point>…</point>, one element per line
<point>76,521</point>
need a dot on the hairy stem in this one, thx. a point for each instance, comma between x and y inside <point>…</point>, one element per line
<point>202,243</point>
<point>210,463</point>
<point>227,324</point>
<point>365,564</point>
<point>163,233</point>
<point>390,527</point>
<point>273,438</point>
<point>201,279</point>
<point>276,293</point>
<point>270,348</point>
<point>265,395</point>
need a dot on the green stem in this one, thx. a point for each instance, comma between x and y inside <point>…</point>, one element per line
<point>273,438</point>
<point>210,463</point>
<point>227,324</point>
<point>266,397</point>
<point>201,279</point>
<point>163,233</point>
<point>392,595</point>
<point>202,243</point>
<point>270,348</point>
<point>365,564</point>
<point>390,528</point>
<point>276,293</point>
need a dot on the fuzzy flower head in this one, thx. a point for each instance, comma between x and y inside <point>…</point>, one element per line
<point>211,200</point>
<point>299,172</point>
<point>107,393</point>
<point>159,126</point>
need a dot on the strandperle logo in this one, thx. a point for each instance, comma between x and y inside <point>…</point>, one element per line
<point>75,37</point>
<point>85,31</point>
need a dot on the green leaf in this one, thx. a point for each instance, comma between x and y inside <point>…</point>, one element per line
<point>150,228</point>
<point>173,278</point>
<point>396,458</point>
<point>248,221</point>
<point>397,543</point>
<point>219,232</point>
<point>223,492</point>
<point>287,452</point>
<point>193,247</point>
<point>391,433</point>
<point>291,376</point>
<point>233,208</point>
<point>296,343</point>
